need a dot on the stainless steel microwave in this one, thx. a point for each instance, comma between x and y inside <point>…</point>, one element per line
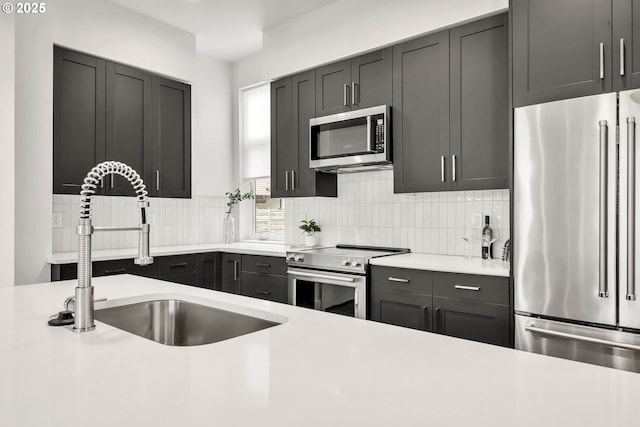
<point>351,141</point>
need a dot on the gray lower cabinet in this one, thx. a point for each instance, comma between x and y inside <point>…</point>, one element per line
<point>401,297</point>
<point>230,276</point>
<point>451,108</point>
<point>265,277</point>
<point>208,270</point>
<point>292,105</point>
<point>465,306</point>
<point>562,49</point>
<point>177,269</point>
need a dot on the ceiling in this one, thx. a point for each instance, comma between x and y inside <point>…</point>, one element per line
<point>225,29</point>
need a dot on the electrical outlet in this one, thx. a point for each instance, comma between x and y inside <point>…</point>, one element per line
<point>477,219</point>
<point>57,220</point>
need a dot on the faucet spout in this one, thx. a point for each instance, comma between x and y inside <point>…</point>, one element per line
<point>84,310</point>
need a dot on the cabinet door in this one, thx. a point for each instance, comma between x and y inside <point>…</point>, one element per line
<point>479,144</point>
<point>170,175</point>
<point>230,275</point>
<point>372,79</point>
<point>472,320</point>
<point>78,118</point>
<point>284,150</point>
<point>265,286</point>
<point>208,271</point>
<point>128,130</point>
<point>333,88</point>
<point>557,51</point>
<point>420,113</point>
<point>305,181</point>
<point>401,308</point>
<point>626,44</point>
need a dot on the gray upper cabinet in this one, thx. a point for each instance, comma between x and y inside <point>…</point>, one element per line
<point>479,132</point>
<point>420,113</point>
<point>451,109</point>
<point>170,175</point>
<point>361,82</point>
<point>128,130</point>
<point>108,111</point>
<point>561,49</point>
<point>626,44</point>
<point>292,105</point>
<point>78,118</point>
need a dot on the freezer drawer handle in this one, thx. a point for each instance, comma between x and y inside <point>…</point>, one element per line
<point>467,288</point>
<point>532,328</point>
<point>397,279</point>
<point>631,208</point>
<point>603,291</point>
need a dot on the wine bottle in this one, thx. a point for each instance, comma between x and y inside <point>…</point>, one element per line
<point>487,237</point>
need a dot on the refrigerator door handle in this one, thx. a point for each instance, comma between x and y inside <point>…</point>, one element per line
<point>531,327</point>
<point>603,291</point>
<point>631,208</point>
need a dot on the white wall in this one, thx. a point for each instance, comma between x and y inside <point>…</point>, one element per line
<point>212,150</point>
<point>7,137</point>
<point>104,29</point>
<point>348,27</point>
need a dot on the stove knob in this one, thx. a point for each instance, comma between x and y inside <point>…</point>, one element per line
<point>355,263</point>
<point>290,257</point>
<point>344,262</point>
<point>298,258</point>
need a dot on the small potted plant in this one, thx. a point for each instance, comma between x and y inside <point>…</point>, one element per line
<point>310,228</point>
<point>228,225</point>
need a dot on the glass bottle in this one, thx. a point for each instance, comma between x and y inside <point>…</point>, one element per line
<point>487,239</point>
<point>228,228</point>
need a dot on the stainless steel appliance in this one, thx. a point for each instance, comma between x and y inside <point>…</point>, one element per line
<point>351,141</point>
<point>575,231</point>
<point>333,279</point>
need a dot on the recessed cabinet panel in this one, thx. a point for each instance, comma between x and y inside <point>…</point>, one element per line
<point>333,85</point>
<point>561,49</point>
<point>401,309</point>
<point>371,76</point>
<point>78,118</point>
<point>128,129</point>
<point>626,43</point>
<point>421,114</point>
<point>479,147</point>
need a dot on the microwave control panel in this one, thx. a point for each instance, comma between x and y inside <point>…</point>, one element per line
<point>379,132</point>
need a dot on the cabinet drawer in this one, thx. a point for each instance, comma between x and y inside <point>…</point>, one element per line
<point>176,264</point>
<point>181,278</point>
<point>264,264</point>
<point>122,266</point>
<point>472,287</point>
<point>401,279</point>
<point>272,288</point>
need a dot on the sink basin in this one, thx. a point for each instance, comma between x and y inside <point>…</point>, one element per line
<point>180,323</point>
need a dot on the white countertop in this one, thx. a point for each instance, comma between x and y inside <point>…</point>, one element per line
<point>317,369</point>
<point>248,248</point>
<point>448,263</point>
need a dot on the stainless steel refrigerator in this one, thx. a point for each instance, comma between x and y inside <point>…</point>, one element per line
<point>575,234</point>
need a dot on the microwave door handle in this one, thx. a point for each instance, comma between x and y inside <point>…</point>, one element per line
<point>369,145</point>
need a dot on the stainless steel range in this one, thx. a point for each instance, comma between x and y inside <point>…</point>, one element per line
<point>333,279</point>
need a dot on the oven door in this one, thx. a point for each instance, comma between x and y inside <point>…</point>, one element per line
<point>328,291</point>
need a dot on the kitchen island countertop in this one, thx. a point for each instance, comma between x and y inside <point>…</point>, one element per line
<point>316,369</point>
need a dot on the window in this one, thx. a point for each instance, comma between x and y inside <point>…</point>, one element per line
<point>267,219</point>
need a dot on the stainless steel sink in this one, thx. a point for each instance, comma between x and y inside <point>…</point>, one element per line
<point>180,323</point>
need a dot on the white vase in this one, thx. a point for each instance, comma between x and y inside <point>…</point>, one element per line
<point>310,240</point>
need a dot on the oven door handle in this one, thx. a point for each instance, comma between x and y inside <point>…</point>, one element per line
<point>321,276</point>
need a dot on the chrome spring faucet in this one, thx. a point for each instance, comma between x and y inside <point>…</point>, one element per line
<point>84,314</point>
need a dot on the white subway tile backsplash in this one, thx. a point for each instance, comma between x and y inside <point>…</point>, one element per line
<point>367,212</point>
<point>175,221</point>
